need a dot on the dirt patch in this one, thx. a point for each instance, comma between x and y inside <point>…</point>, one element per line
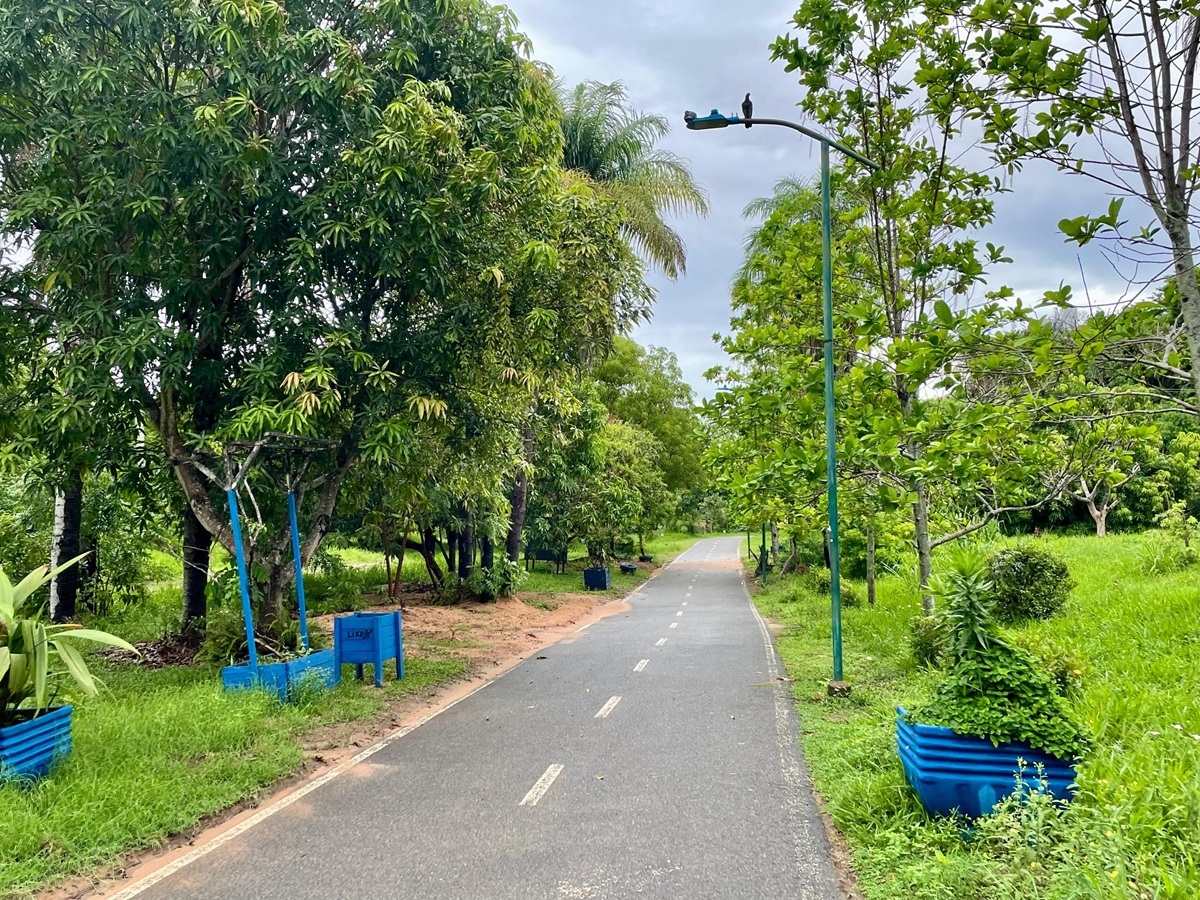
<point>173,650</point>
<point>487,634</point>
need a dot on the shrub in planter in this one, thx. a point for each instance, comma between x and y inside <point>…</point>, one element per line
<point>994,689</point>
<point>1028,583</point>
<point>996,706</point>
<point>35,658</point>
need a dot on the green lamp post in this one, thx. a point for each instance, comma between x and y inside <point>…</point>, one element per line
<point>716,120</point>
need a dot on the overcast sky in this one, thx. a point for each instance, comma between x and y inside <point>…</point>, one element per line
<point>696,54</point>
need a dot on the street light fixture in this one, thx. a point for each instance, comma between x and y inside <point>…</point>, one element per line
<point>716,120</point>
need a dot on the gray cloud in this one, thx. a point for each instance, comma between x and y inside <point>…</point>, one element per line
<point>696,54</point>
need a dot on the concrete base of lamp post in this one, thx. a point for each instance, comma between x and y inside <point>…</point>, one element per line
<point>839,689</point>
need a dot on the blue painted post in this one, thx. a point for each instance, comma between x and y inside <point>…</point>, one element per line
<point>299,569</point>
<point>243,579</point>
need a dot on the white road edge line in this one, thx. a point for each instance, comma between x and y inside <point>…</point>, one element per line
<point>279,805</point>
<point>585,627</point>
<point>641,665</point>
<point>607,708</point>
<point>811,846</point>
<point>661,641</point>
<point>542,785</point>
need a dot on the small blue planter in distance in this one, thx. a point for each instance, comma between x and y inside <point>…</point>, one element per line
<point>967,774</point>
<point>29,749</point>
<point>597,579</point>
<point>373,638</point>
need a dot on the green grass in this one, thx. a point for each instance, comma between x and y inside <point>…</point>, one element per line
<point>1133,830</point>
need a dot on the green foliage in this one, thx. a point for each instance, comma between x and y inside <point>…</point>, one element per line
<point>1064,666</point>
<point>1029,582</point>
<point>993,689</point>
<point>26,522</point>
<point>502,580</point>
<point>36,658</point>
<point>927,641</point>
<point>1139,791</point>
<point>612,143</point>
<point>822,582</point>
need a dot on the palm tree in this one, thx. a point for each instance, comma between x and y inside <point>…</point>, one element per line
<point>611,143</point>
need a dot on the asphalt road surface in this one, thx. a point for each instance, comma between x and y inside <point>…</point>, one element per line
<point>653,755</point>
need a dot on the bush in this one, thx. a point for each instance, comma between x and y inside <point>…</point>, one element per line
<point>821,581</point>
<point>1065,669</point>
<point>1028,583</point>
<point>927,638</point>
<point>994,689</point>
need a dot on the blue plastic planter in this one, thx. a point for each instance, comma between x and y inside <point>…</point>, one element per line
<point>966,774</point>
<point>370,638</point>
<point>29,749</point>
<point>597,579</point>
<point>284,679</point>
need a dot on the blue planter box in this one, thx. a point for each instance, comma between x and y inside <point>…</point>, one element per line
<point>29,749</point>
<point>370,638</point>
<point>597,579</point>
<point>966,774</point>
<point>284,679</point>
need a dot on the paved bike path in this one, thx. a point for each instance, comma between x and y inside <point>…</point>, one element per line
<point>652,755</point>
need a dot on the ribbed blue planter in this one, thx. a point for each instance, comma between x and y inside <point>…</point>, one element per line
<point>597,579</point>
<point>285,679</point>
<point>966,774</point>
<point>29,749</point>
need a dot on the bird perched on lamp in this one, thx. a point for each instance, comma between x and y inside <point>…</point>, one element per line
<point>747,109</point>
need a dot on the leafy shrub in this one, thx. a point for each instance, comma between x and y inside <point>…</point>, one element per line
<point>821,581</point>
<point>502,580</point>
<point>927,638</point>
<point>1028,583</point>
<point>993,689</point>
<point>1065,669</point>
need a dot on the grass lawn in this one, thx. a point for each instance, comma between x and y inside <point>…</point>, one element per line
<point>1133,830</point>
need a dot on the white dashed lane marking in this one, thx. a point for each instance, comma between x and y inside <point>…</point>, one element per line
<point>607,707</point>
<point>661,641</point>
<point>641,665</point>
<point>542,785</point>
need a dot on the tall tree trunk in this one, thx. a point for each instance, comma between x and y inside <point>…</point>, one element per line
<point>403,545</point>
<point>1176,218</point>
<point>924,546</point>
<point>1099,515</point>
<point>466,545</point>
<point>385,533</point>
<point>871,564</point>
<point>487,552</point>
<point>428,550</point>
<point>197,548</point>
<point>519,499</point>
<point>775,543</point>
<point>68,522</point>
<point>451,551</point>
